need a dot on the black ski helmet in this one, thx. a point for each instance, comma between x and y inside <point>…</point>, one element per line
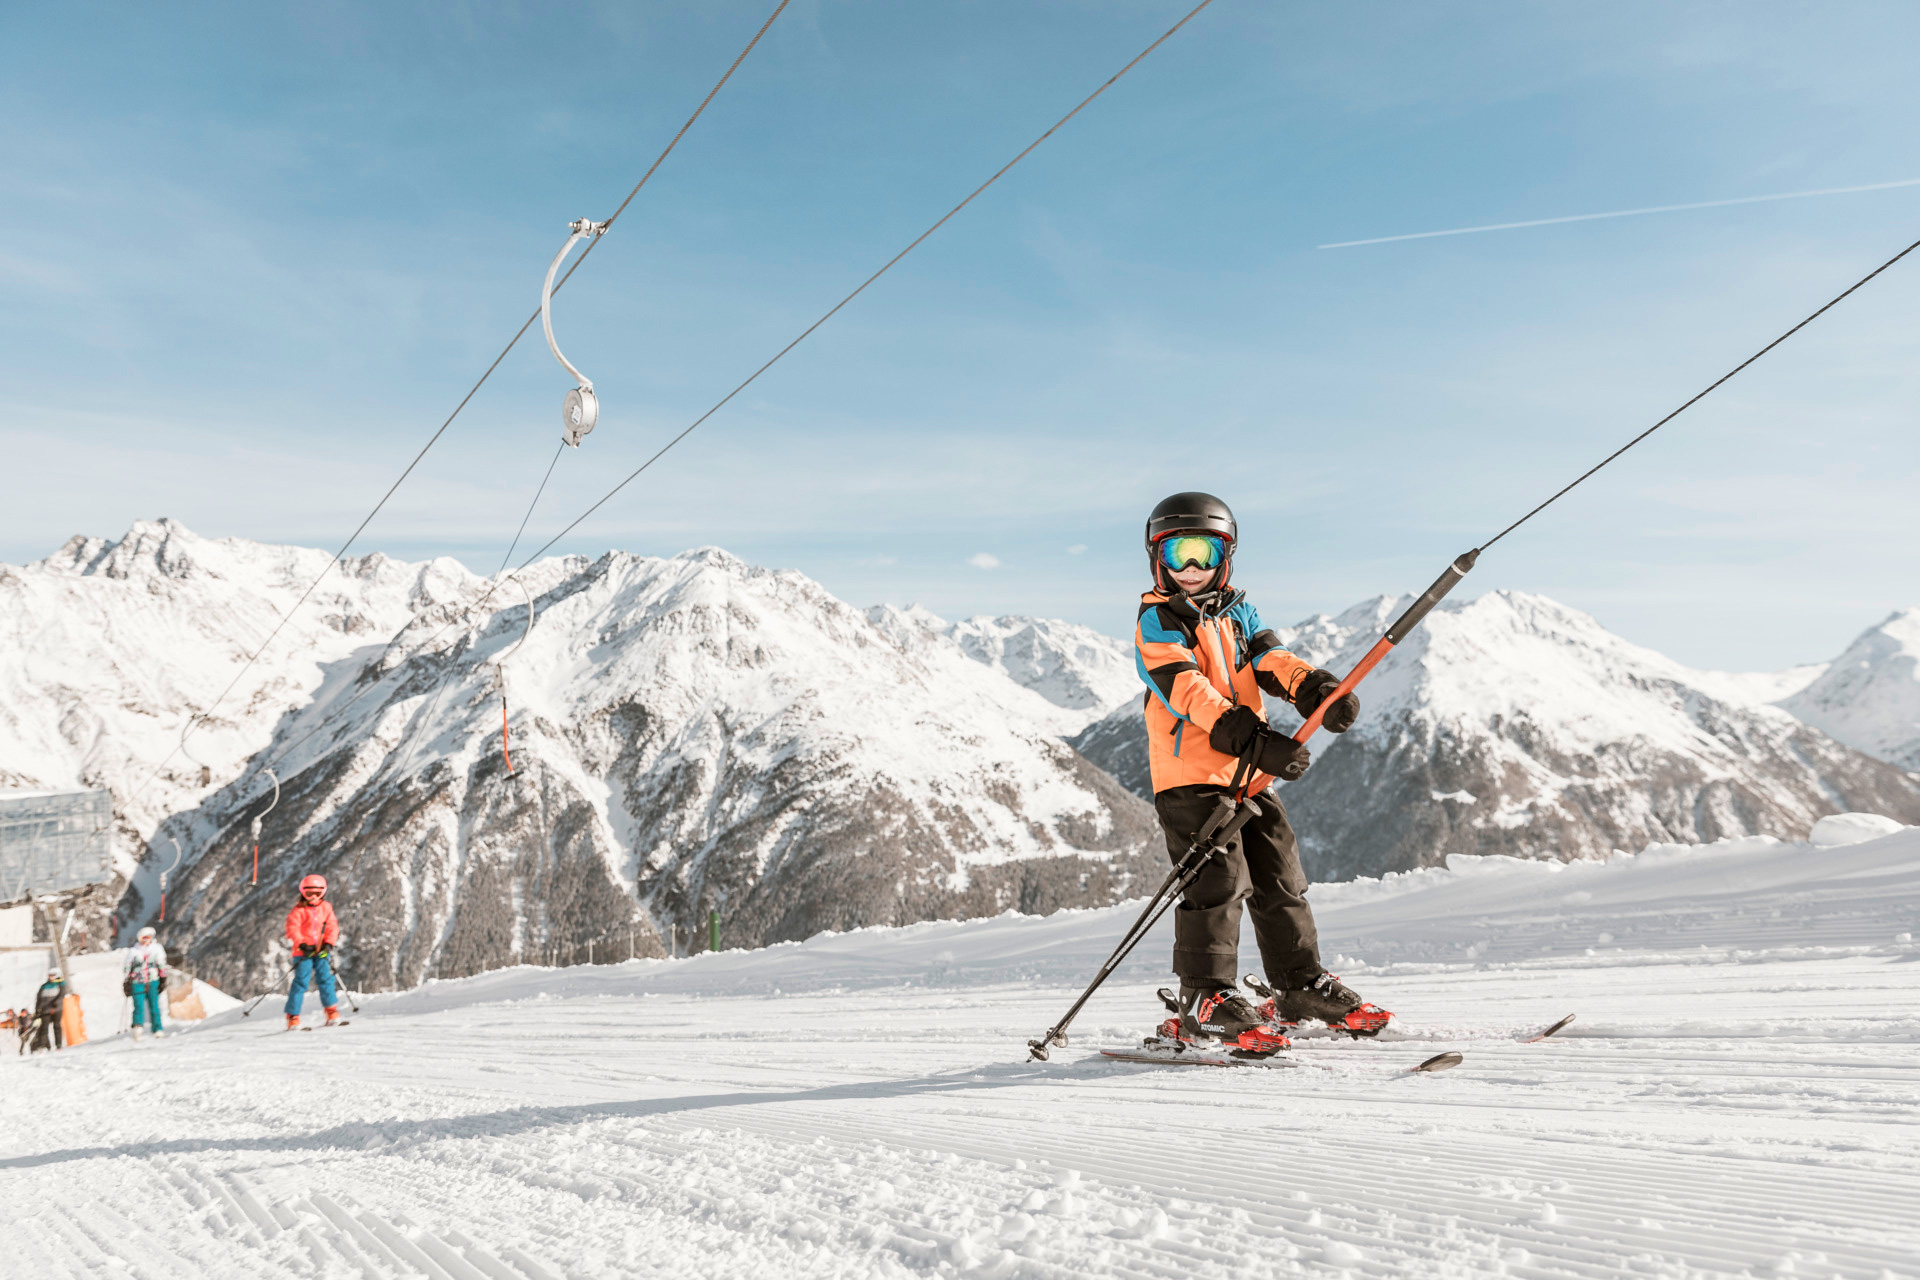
<point>1185,511</point>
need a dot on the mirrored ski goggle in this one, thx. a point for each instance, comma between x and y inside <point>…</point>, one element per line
<point>1192,551</point>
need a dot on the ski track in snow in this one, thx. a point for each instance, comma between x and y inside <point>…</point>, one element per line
<point>1738,1098</point>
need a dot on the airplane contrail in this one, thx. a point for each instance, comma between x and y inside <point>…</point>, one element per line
<point>1626,213</point>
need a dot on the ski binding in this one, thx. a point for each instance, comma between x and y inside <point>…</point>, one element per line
<point>1367,1020</point>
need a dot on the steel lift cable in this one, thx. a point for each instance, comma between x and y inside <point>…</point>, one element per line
<point>530,506</point>
<point>474,390</point>
<point>1703,395</point>
<point>1466,560</point>
<point>805,333</point>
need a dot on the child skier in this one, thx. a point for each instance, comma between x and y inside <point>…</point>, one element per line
<point>312,928</point>
<point>1206,660</point>
<point>145,978</point>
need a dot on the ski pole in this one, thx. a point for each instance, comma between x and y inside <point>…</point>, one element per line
<point>248,1011</point>
<point>342,981</point>
<point>1221,827</point>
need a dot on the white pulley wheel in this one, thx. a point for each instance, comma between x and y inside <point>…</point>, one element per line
<point>578,413</point>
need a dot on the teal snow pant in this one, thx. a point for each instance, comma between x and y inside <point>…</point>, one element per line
<point>306,970</point>
<point>146,1003</point>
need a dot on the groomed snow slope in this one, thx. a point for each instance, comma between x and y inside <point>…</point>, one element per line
<point>1737,1098</point>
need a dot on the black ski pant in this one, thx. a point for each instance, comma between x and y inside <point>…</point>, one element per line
<point>47,1029</point>
<point>1259,866</point>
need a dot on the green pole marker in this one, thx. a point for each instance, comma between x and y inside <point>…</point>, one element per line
<point>713,930</point>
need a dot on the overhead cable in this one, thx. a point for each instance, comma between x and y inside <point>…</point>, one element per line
<point>1701,396</point>
<point>869,280</point>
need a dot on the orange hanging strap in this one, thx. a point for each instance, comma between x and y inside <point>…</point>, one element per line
<point>506,747</point>
<point>500,674</point>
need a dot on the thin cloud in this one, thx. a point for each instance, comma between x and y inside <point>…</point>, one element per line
<point>1625,213</point>
<point>981,560</point>
<point>1077,549</point>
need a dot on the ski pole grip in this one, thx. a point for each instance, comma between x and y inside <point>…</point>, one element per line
<point>1222,812</point>
<point>1249,810</point>
<point>1433,595</point>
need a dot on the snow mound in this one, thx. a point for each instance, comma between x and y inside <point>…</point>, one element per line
<point>1851,828</point>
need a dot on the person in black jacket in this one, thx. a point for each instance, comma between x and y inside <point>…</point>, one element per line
<point>46,1014</point>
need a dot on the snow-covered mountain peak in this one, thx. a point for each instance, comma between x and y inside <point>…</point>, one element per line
<point>112,644</point>
<point>1067,664</point>
<point>1083,672</point>
<point>1869,697</point>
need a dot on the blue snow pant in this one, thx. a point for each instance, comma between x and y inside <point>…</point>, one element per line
<point>146,1001</point>
<point>305,970</point>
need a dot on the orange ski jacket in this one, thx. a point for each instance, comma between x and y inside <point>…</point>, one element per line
<point>311,924</point>
<point>1199,659</point>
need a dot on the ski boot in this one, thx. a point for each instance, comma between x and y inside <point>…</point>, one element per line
<point>293,1022</point>
<point>1220,1017</point>
<point>333,1015</point>
<point>1325,998</point>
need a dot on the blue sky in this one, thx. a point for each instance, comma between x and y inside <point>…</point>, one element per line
<point>254,254</point>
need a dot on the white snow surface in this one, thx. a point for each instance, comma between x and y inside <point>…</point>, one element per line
<point>1869,697</point>
<point>1737,1098</point>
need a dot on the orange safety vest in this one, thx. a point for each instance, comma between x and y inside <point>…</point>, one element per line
<point>1198,662</point>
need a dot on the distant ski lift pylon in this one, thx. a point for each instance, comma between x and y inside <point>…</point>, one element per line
<point>581,409</point>
<point>206,771</point>
<point>163,877</point>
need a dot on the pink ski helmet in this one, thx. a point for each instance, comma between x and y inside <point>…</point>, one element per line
<point>312,883</point>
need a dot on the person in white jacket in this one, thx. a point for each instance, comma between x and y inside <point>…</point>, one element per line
<point>146,979</point>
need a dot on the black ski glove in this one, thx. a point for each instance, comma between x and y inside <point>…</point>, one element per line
<point>126,988</point>
<point>1273,753</point>
<point>1281,756</point>
<point>1233,731</point>
<point>1313,690</point>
